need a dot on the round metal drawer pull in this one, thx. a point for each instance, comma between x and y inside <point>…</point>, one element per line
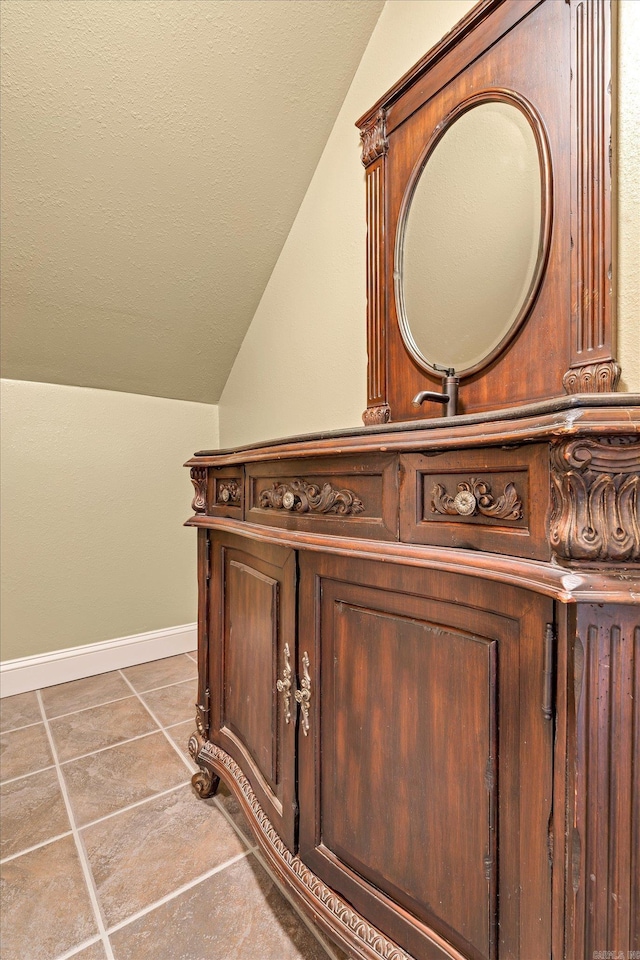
<point>288,500</point>
<point>225,496</point>
<point>465,503</point>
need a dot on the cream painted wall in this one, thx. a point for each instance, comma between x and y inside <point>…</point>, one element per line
<point>302,365</point>
<point>94,498</point>
<point>629,194</point>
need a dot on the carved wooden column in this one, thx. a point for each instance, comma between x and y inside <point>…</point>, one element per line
<point>374,150</point>
<point>604,823</point>
<point>596,520</point>
<point>593,367</point>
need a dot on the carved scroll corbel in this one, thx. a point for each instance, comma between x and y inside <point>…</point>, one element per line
<point>373,138</point>
<point>592,378</point>
<point>199,481</point>
<point>204,782</point>
<point>595,488</point>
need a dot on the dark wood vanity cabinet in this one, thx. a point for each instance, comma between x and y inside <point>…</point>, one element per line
<point>426,779</point>
<point>436,745</point>
<point>252,634</point>
<point>419,641</point>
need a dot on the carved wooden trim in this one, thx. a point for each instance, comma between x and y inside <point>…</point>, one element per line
<point>228,492</point>
<point>474,496</point>
<point>591,255</point>
<point>376,300</point>
<point>373,138</point>
<point>373,416</point>
<point>595,487</point>
<point>592,378</point>
<point>301,497</point>
<point>199,481</point>
<point>204,782</point>
<point>603,819</point>
<point>344,916</point>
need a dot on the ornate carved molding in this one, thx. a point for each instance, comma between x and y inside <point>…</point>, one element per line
<point>373,138</point>
<point>380,413</point>
<point>199,481</point>
<point>228,492</point>
<point>592,378</point>
<point>341,912</point>
<point>204,782</point>
<point>301,497</point>
<point>474,497</point>
<point>595,486</point>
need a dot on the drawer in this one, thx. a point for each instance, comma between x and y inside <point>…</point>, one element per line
<point>342,496</point>
<point>492,499</point>
<point>219,491</point>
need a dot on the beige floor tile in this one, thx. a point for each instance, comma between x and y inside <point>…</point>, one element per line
<point>99,727</point>
<point>46,906</point>
<point>159,673</point>
<point>238,913</point>
<point>107,781</point>
<point>180,736</point>
<point>94,952</point>
<point>24,751</point>
<point>32,811</point>
<point>18,711</point>
<point>78,694</point>
<point>141,855</point>
<point>173,704</point>
<point>234,810</point>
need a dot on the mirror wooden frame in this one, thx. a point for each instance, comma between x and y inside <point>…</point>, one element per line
<point>564,340</point>
<point>544,228</point>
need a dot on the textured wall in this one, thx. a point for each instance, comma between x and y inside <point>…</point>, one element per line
<point>155,153</point>
<point>302,365</point>
<point>94,498</point>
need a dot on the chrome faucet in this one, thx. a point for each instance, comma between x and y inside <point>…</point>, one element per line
<point>448,397</point>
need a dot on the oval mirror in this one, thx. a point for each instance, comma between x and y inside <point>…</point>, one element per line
<point>471,239</point>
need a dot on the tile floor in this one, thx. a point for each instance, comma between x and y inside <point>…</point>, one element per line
<point>105,851</point>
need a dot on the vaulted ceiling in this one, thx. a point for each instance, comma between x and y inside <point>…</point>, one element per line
<point>154,156</point>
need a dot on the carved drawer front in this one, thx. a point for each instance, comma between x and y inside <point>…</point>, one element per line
<point>354,496</point>
<point>494,500</point>
<point>219,491</point>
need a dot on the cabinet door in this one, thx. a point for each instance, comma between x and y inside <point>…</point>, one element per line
<point>252,644</point>
<point>426,774</point>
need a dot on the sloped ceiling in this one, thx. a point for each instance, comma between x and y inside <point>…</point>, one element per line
<point>154,156</point>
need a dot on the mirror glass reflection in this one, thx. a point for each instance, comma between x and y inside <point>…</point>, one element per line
<point>471,238</point>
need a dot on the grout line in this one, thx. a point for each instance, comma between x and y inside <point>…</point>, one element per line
<point>176,893</point>
<point>84,862</point>
<point>79,948</point>
<point>23,776</point>
<point>192,657</point>
<point>326,946</point>
<point>174,683</point>
<point>154,717</point>
<point>132,806</point>
<point>170,726</point>
<point>36,846</point>
<point>111,746</point>
<point>24,726</point>
<point>106,703</point>
<point>94,706</point>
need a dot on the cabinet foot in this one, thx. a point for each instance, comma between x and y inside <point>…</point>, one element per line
<point>204,782</point>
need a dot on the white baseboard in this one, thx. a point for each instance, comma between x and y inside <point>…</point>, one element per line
<point>74,663</point>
